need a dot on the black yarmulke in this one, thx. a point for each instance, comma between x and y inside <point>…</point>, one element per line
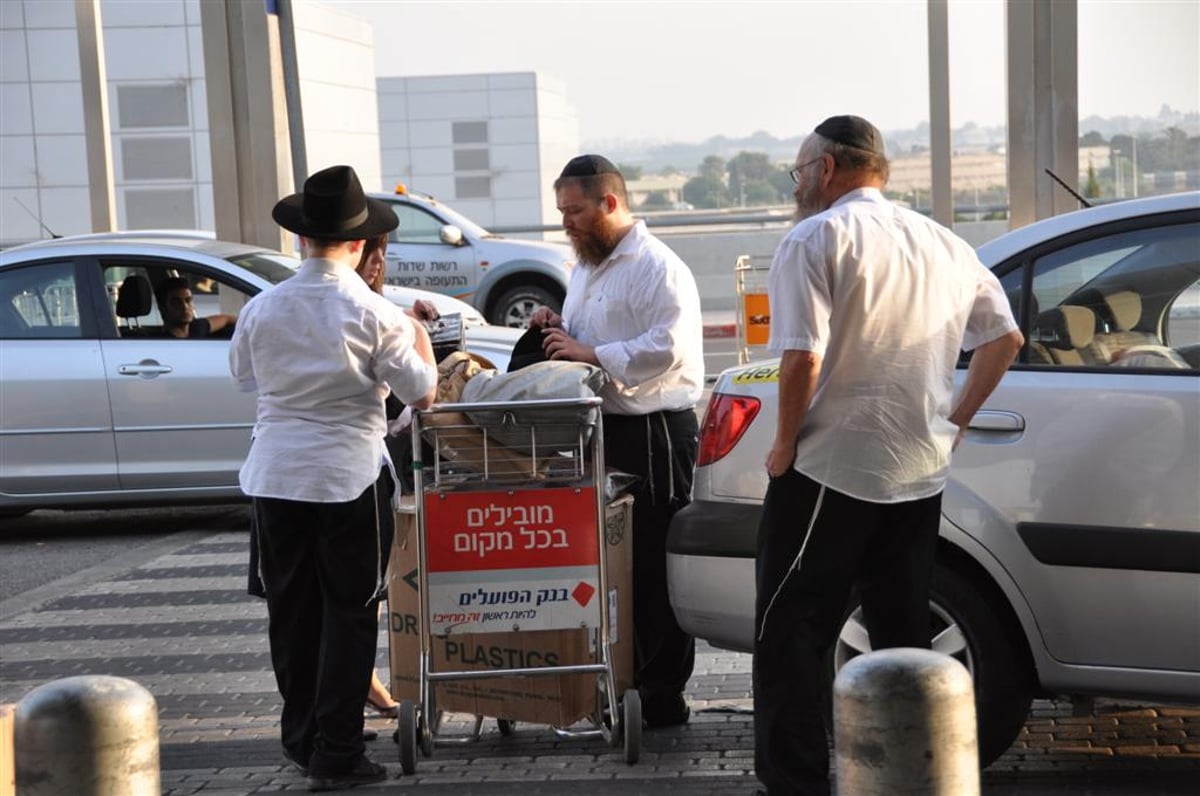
<point>852,131</point>
<point>588,166</point>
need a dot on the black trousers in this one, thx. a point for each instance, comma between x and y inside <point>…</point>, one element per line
<point>661,449</point>
<point>321,563</point>
<point>814,546</point>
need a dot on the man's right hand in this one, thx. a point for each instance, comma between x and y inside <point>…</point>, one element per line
<point>780,458</point>
<point>544,317</point>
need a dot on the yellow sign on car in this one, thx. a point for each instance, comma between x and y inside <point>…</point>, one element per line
<point>757,375</point>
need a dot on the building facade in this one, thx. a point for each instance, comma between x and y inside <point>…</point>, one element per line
<point>489,144</point>
<point>161,158</point>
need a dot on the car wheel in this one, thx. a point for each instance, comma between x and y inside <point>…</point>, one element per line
<point>965,627</point>
<point>516,306</point>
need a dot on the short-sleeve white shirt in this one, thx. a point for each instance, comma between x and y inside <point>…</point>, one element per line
<point>322,349</point>
<point>640,310</point>
<point>887,298</point>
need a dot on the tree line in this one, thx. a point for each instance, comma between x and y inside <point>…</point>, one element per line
<point>751,179</point>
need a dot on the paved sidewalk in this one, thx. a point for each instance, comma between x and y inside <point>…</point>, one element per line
<point>174,616</point>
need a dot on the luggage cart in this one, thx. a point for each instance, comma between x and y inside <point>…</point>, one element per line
<point>512,538</point>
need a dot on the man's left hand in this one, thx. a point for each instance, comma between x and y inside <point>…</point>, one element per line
<point>424,310</point>
<point>559,345</point>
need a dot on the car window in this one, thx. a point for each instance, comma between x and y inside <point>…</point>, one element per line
<point>1060,278</point>
<point>1183,319</point>
<point>1110,301</point>
<point>138,290</point>
<point>416,226</point>
<point>39,301</point>
<point>270,266</point>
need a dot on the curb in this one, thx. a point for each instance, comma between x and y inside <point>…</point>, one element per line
<point>719,330</point>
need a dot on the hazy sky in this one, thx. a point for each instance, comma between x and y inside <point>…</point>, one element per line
<point>689,70</point>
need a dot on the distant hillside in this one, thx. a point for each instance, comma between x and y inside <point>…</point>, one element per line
<point>655,156</point>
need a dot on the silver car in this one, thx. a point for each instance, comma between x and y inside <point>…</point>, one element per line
<point>1069,555</point>
<point>98,411</point>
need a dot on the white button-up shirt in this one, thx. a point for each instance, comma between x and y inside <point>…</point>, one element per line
<point>322,349</point>
<point>640,310</point>
<point>887,298</point>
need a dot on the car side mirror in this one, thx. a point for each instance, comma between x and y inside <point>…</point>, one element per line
<point>451,235</point>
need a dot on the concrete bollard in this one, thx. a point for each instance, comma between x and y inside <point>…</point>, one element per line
<point>904,722</point>
<point>87,736</point>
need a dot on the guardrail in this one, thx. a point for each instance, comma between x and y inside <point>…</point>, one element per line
<point>775,214</point>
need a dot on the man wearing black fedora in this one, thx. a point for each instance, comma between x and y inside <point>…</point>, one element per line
<point>322,350</point>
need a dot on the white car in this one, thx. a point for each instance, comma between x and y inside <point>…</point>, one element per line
<point>440,250</point>
<point>1069,555</point>
<point>97,408</point>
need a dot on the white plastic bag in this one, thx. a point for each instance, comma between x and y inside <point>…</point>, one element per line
<point>545,430</point>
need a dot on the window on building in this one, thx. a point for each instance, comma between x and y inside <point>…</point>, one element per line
<point>472,160</point>
<point>469,132</point>
<point>472,187</point>
<point>153,106</point>
<point>156,158</point>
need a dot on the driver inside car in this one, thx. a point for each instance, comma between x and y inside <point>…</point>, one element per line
<point>175,305</point>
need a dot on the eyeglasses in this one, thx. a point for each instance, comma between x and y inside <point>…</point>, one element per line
<point>795,173</point>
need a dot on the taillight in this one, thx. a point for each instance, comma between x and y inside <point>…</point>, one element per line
<point>725,421</point>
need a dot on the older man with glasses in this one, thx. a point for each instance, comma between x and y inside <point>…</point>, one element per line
<point>870,305</point>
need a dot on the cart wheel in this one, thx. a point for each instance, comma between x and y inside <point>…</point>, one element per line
<point>506,726</point>
<point>631,726</point>
<point>425,734</point>
<point>406,736</point>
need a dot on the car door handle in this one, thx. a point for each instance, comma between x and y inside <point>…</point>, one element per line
<point>147,368</point>
<point>991,420</point>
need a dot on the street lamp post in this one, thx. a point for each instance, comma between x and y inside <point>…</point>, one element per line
<point>1134,175</point>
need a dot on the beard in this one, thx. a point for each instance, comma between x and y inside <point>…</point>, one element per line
<point>594,245</point>
<point>808,201</point>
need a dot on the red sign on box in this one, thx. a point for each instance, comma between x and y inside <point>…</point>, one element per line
<point>522,529</point>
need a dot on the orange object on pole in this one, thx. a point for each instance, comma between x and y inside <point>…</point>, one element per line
<point>8,770</point>
<point>758,318</point>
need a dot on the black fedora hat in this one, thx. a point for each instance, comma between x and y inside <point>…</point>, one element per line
<point>332,206</point>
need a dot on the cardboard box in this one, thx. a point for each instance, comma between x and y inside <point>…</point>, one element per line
<point>559,700</point>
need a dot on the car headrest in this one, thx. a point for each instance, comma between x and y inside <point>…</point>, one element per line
<point>1125,307</point>
<point>1065,327</point>
<point>134,297</point>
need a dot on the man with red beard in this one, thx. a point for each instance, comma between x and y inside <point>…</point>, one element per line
<point>870,305</point>
<point>632,308</point>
